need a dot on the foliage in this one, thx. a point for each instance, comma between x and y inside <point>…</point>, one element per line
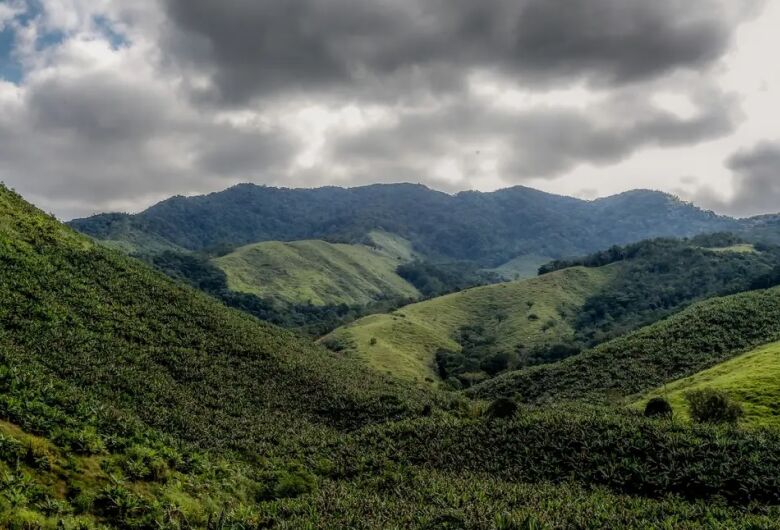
<point>474,326</point>
<point>488,228</point>
<point>658,407</point>
<point>752,378</point>
<point>662,276</point>
<point>437,279</point>
<point>695,339</point>
<point>713,406</point>
<point>319,273</point>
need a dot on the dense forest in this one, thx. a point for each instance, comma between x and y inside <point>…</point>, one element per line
<point>487,228</point>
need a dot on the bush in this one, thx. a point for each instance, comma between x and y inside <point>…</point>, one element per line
<point>713,406</point>
<point>658,407</point>
<point>502,408</point>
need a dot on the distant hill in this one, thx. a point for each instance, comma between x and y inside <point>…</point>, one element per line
<point>320,273</point>
<point>696,339</point>
<point>506,318</point>
<point>576,304</point>
<point>487,228</point>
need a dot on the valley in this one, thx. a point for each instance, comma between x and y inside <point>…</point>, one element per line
<point>130,398</point>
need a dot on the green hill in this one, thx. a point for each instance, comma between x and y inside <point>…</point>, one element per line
<point>320,273</point>
<point>108,368</point>
<point>693,340</point>
<point>752,378</point>
<point>516,316</point>
<point>485,228</point>
<point>129,401</point>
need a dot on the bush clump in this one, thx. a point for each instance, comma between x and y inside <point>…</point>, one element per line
<point>502,408</point>
<point>713,406</point>
<point>658,407</point>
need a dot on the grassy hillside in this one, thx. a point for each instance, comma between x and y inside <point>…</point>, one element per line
<point>752,378</point>
<point>129,401</point>
<point>320,273</point>
<point>691,341</point>
<point>522,267</point>
<point>105,360</point>
<point>518,315</point>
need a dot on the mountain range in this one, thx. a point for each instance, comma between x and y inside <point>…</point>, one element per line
<point>487,228</point>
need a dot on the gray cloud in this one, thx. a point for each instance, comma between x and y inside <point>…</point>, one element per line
<point>102,140</point>
<point>543,142</point>
<point>380,47</point>
<point>756,182</point>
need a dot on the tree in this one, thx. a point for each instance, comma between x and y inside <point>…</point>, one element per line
<point>713,406</point>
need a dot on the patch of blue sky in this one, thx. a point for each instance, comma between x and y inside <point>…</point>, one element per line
<point>104,25</point>
<point>10,68</point>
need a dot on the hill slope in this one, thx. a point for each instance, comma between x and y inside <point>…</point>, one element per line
<point>129,401</point>
<point>695,339</point>
<point>516,315</point>
<point>100,355</point>
<point>488,228</point>
<point>753,378</point>
<point>319,273</point>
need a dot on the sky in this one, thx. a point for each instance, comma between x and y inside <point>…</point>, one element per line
<point>110,105</point>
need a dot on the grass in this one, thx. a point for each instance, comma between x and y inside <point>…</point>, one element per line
<point>698,338</point>
<point>752,378</point>
<point>528,313</point>
<point>744,248</point>
<point>320,273</point>
<point>522,267</point>
<point>130,401</point>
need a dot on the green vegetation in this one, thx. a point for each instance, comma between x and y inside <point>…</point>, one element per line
<point>753,379</point>
<point>662,276</point>
<point>521,267</point>
<point>695,339</point>
<point>518,317</point>
<point>317,273</point>
<point>486,228</point>
<point>128,400</point>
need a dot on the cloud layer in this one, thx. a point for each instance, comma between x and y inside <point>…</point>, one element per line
<point>121,104</point>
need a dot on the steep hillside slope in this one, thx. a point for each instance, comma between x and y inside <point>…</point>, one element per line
<point>319,273</point>
<point>488,228</point>
<point>517,315</point>
<point>99,354</point>
<point>752,378</point>
<point>695,339</point>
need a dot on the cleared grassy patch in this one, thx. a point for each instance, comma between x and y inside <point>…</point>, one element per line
<point>522,267</point>
<point>752,378</point>
<point>320,273</point>
<point>528,313</point>
<point>745,248</point>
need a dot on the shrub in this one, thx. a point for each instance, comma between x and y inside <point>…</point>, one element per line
<point>502,408</point>
<point>658,407</point>
<point>713,406</point>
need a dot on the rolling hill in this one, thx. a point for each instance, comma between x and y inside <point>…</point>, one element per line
<point>487,228</point>
<point>752,378</point>
<point>519,315</point>
<point>575,304</point>
<point>693,340</point>
<point>320,273</point>
<point>130,401</point>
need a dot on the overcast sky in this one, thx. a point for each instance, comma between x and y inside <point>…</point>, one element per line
<point>112,105</point>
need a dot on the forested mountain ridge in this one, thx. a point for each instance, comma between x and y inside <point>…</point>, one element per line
<point>488,228</point>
